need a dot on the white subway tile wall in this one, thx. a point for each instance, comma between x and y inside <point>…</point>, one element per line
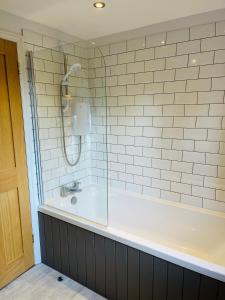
<point>84,86</point>
<point>166,115</point>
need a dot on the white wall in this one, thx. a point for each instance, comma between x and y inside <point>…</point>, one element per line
<point>167,115</point>
<point>166,110</point>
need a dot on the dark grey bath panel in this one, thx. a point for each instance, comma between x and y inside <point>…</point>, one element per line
<point>116,271</point>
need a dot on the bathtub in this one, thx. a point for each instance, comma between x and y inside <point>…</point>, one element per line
<point>90,204</point>
<point>193,238</point>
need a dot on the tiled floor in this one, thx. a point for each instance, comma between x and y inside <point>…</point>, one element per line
<point>40,283</point>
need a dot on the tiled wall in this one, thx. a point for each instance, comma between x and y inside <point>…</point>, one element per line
<point>167,115</point>
<point>49,70</point>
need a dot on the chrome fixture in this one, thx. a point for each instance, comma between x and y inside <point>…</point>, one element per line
<point>73,68</point>
<point>73,200</point>
<point>68,190</point>
<point>65,96</point>
<point>35,125</point>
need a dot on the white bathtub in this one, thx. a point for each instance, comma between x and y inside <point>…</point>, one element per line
<point>190,237</point>
<point>91,204</point>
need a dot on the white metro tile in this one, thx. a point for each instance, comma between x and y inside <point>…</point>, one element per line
<point>161,164</point>
<point>193,157</point>
<point>175,86</point>
<point>188,47</point>
<point>186,98</point>
<point>199,85</point>
<point>176,133</point>
<point>155,64</point>
<point>220,56</point>
<point>151,172</point>
<point>209,122</point>
<point>172,154</point>
<point>218,83</point>
<point>192,179</point>
<point>156,40</point>
<point>196,110</point>
<point>177,36</point>
<point>136,170</point>
<point>204,58</point>
<point>118,48</point>
<point>166,75</point>
<point>136,44</point>
<point>214,205</point>
<point>216,70</point>
<point>191,200</point>
<point>145,54</point>
<point>151,191</point>
<point>161,184</point>
<point>183,145</point>
<point>171,175</point>
<point>143,99</point>
<point>184,122</point>
<point>154,88</point>
<point>126,57</point>
<point>203,192</point>
<point>163,99</point>
<point>162,121</point>
<point>151,152</point>
<point>187,73</point>
<point>195,134</point>
<point>203,169</point>
<point>173,110</point>
<point>182,188</point>
<point>144,77</point>
<point>165,51</point>
<point>206,146</point>
<point>135,67</point>
<point>213,43</point>
<point>182,166</point>
<point>177,62</point>
<point>220,28</point>
<point>171,196</point>
<point>210,97</point>
<point>202,31</point>
<point>162,143</point>
<point>135,89</point>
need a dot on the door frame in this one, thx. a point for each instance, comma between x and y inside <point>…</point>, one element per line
<point>32,180</point>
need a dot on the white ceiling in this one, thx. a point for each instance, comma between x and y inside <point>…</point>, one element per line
<point>80,18</point>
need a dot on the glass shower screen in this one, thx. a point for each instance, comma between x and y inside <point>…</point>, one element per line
<point>69,113</point>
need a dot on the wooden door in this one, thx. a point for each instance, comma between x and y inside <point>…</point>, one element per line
<point>16,248</point>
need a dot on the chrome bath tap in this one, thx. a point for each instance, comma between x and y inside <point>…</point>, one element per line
<point>68,190</point>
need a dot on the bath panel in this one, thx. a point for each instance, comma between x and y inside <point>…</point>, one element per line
<point>117,271</point>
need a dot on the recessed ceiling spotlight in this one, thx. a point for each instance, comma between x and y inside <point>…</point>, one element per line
<point>99,4</point>
<point>163,42</point>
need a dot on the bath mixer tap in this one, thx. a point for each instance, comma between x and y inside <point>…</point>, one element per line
<point>67,190</point>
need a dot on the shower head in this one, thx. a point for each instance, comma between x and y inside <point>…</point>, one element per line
<point>73,68</point>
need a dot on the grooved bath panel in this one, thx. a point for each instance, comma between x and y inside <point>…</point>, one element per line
<point>117,271</point>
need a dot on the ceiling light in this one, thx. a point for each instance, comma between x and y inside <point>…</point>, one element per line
<point>163,42</point>
<point>99,4</point>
